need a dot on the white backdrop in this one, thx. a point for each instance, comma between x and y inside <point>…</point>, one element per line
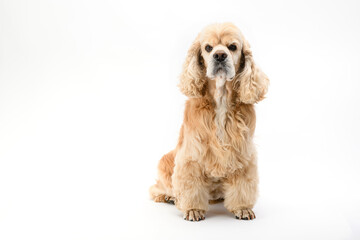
<point>89,104</point>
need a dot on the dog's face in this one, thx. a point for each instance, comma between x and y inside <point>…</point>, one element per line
<point>221,51</point>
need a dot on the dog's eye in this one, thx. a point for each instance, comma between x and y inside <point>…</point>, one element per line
<point>232,47</point>
<point>208,48</point>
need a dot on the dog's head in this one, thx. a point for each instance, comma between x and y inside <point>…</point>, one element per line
<point>221,53</point>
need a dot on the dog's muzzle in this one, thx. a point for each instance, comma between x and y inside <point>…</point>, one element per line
<point>221,65</point>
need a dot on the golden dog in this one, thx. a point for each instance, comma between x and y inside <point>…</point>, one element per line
<point>215,158</point>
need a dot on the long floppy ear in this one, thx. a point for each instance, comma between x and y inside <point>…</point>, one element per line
<point>251,83</point>
<point>192,80</point>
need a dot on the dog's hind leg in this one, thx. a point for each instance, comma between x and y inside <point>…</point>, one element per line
<point>162,190</point>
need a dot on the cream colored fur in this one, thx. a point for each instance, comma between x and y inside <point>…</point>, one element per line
<point>215,157</point>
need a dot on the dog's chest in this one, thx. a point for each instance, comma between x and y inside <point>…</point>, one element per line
<point>221,110</point>
<point>225,154</point>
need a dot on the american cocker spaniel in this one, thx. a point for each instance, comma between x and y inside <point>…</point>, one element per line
<point>215,158</point>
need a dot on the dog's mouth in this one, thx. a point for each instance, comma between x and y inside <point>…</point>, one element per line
<point>218,70</point>
<point>222,69</point>
<point>219,66</point>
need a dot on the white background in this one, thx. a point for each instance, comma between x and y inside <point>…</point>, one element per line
<point>89,104</point>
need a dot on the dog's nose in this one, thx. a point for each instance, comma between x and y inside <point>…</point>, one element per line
<point>220,56</point>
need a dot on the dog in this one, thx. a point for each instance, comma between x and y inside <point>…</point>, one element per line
<point>215,157</point>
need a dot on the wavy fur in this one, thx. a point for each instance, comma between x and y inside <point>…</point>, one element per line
<point>215,157</point>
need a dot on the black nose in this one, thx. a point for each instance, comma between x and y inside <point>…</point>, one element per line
<point>220,56</point>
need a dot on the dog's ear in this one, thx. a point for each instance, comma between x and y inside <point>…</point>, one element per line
<point>192,78</point>
<point>250,82</point>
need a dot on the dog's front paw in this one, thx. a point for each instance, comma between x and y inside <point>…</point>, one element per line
<point>194,215</point>
<point>244,214</point>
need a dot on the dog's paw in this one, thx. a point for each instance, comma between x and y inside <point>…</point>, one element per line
<point>194,215</point>
<point>244,214</point>
<point>159,198</point>
<point>164,198</point>
<point>170,200</point>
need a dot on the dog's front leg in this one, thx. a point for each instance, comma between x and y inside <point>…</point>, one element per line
<point>241,192</point>
<point>190,190</point>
